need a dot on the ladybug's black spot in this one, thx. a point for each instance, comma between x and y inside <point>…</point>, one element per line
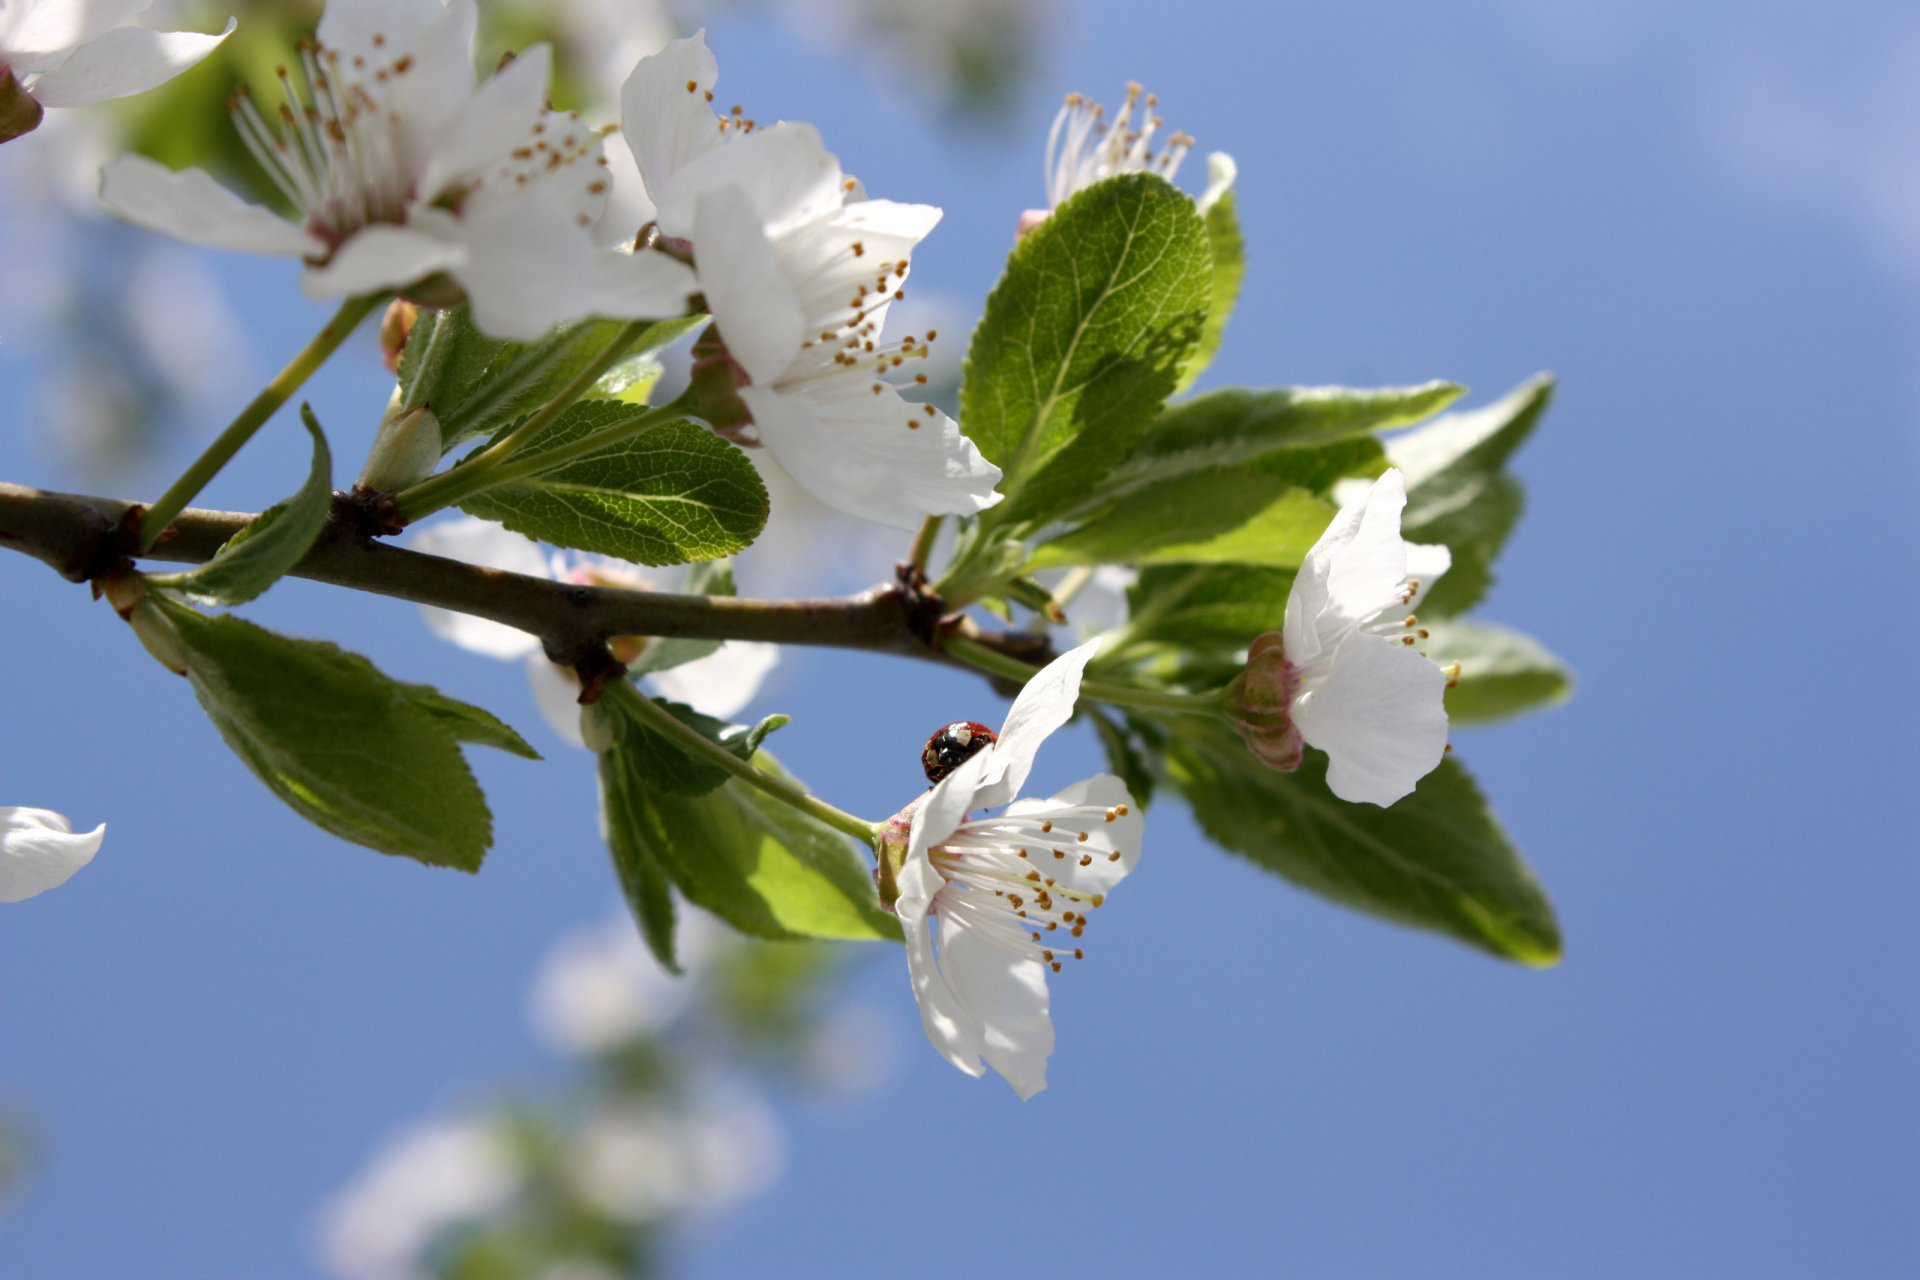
<point>953,746</point>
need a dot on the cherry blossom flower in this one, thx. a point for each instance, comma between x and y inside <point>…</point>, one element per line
<point>1085,147</point>
<point>406,176</point>
<point>719,684</point>
<point>71,53</point>
<point>1007,895</point>
<point>1345,673</point>
<point>799,270</point>
<point>39,851</point>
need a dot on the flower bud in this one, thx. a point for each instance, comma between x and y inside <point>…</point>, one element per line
<point>127,593</point>
<point>1030,221</point>
<point>715,388</point>
<point>890,851</point>
<point>396,326</point>
<point>595,728</point>
<point>1264,693</point>
<point>19,111</point>
<point>405,450</point>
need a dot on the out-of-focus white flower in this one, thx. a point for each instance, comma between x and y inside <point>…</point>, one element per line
<point>850,1051</point>
<point>719,684</point>
<point>427,1180</point>
<point>600,987</point>
<point>1007,894</point>
<point>39,851</point>
<point>798,270</point>
<point>640,1161</point>
<point>70,53</point>
<point>406,175</point>
<point>1085,147</point>
<point>1345,673</point>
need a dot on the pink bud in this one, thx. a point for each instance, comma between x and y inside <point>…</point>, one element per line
<point>1265,693</point>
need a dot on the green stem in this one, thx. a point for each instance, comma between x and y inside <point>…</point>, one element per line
<point>254,416</point>
<point>993,662</point>
<point>923,542</point>
<point>490,466</point>
<point>693,742</point>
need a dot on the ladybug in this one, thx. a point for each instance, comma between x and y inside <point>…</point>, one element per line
<point>953,746</point>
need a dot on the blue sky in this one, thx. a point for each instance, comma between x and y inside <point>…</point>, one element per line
<point>1705,218</point>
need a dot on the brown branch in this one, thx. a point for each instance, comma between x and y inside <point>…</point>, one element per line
<point>80,537</point>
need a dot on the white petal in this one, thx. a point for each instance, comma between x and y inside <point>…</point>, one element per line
<point>1221,171</point>
<point>528,267</point>
<point>1368,571</point>
<point>721,683</point>
<point>1425,563</point>
<point>628,208</point>
<point>950,1026</point>
<point>786,172</point>
<point>851,447</point>
<point>1044,703</point>
<point>939,814</point>
<point>664,112</point>
<point>557,694</point>
<point>1006,993</point>
<point>38,851</point>
<point>1123,835</point>
<point>486,544</point>
<point>382,257</point>
<point>125,61</point>
<point>1380,714</point>
<point>36,32</point>
<point>495,120</point>
<point>638,286</point>
<point>429,99</point>
<point>191,206</point>
<point>753,304</point>
<point>352,26</point>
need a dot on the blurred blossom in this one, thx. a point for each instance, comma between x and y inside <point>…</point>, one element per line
<point>962,54</point>
<point>427,1181</point>
<point>640,1161</point>
<point>600,987</point>
<point>852,1051</point>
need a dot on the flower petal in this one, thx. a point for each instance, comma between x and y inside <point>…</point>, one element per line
<point>721,683</point>
<point>528,266</point>
<point>1043,704</point>
<point>786,172</point>
<point>638,286</point>
<point>557,694</point>
<point>1006,993</point>
<point>664,111</point>
<point>1380,714</point>
<point>851,447</point>
<point>486,544</point>
<point>382,257</point>
<point>191,206</point>
<point>1368,571</point>
<point>37,32</point>
<point>124,61</point>
<point>496,119</point>
<point>753,304</point>
<point>950,1025</point>
<point>38,851</point>
<point>1426,561</point>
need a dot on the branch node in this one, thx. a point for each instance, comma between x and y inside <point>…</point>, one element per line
<point>368,512</point>
<point>596,665</point>
<point>921,605</point>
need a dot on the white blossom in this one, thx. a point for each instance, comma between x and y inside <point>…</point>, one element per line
<point>39,851</point>
<point>638,1161</point>
<point>1345,673</point>
<point>71,53</point>
<point>990,904</point>
<point>719,684</point>
<point>406,175</point>
<point>799,270</point>
<point>428,1180</point>
<point>600,988</point>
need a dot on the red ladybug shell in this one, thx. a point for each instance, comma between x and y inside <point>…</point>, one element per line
<point>952,746</point>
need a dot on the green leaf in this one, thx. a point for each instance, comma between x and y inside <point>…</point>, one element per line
<point>1458,494</point>
<point>477,385</point>
<point>1208,607</point>
<point>1502,672</point>
<point>272,543</point>
<point>1268,510</point>
<point>468,723</point>
<point>1229,427</point>
<point>760,865</point>
<point>1228,251</point>
<point>625,818</point>
<point>671,494</point>
<point>350,749</point>
<point>744,741</point>
<point>1125,757</point>
<point>1083,339</point>
<point>1435,860</point>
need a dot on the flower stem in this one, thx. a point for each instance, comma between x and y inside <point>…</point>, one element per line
<point>993,662</point>
<point>693,742</point>
<point>923,542</point>
<point>254,416</point>
<point>490,466</point>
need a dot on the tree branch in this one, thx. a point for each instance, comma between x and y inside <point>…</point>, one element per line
<point>81,537</point>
